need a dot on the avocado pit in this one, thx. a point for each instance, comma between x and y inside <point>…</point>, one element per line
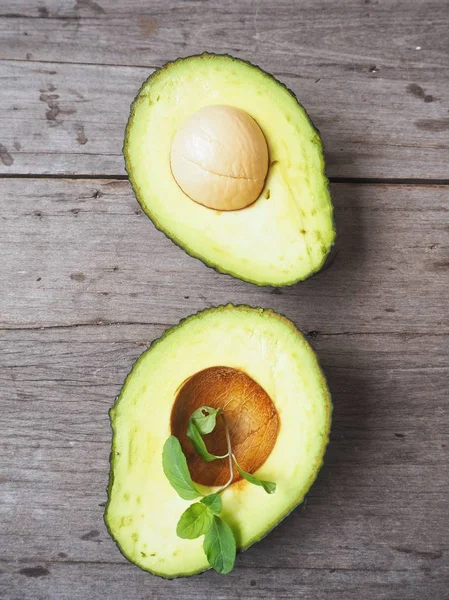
<point>250,413</point>
<point>219,158</point>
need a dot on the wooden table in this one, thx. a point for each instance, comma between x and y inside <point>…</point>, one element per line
<point>87,283</point>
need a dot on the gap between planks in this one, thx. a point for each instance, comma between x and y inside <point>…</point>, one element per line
<point>121,177</point>
<point>121,563</point>
<point>308,334</point>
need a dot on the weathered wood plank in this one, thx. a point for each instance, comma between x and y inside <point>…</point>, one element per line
<point>376,84</point>
<point>340,37</point>
<point>82,252</point>
<point>70,119</point>
<point>73,581</point>
<point>373,526</point>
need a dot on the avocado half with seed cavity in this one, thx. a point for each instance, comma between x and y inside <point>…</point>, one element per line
<point>257,367</point>
<point>260,211</point>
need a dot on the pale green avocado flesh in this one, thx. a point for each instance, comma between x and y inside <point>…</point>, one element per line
<point>285,235</point>
<point>143,509</point>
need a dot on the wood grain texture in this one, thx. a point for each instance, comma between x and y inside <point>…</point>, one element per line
<point>88,283</point>
<point>374,76</point>
<point>373,526</point>
<point>83,252</point>
<point>82,255</point>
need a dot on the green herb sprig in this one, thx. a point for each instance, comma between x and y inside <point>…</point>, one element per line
<point>203,517</point>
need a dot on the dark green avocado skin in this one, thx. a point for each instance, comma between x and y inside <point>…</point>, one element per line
<point>207,55</point>
<point>229,306</point>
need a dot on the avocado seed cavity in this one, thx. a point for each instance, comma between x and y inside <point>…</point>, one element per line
<point>219,158</point>
<point>250,413</point>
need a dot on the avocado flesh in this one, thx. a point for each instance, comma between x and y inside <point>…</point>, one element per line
<point>287,233</point>
<point>143,509</point>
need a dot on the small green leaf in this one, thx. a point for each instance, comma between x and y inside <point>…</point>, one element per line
<point>268,486</point>
<point>205,418</point>
<point>195,521</point>
<point>213,501</point>
<point>175,467</point>
<point>198,443</point>
<point>219,546</point>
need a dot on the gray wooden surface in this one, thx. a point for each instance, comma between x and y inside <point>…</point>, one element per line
<point>87,283</point>
<point>373,74</point>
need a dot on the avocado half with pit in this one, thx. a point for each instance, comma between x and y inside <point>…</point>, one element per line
<point>260,370</point>
<point>226,162</point>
